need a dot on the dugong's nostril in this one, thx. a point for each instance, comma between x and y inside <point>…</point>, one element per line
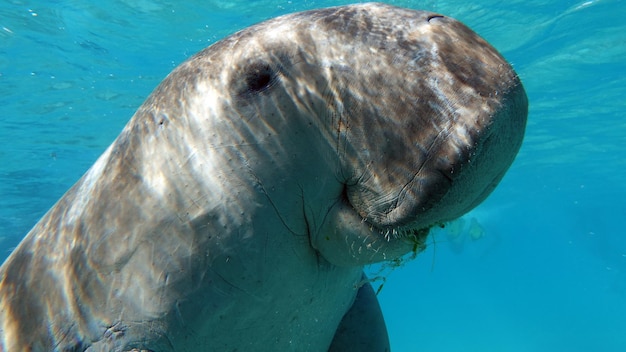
<point>432,17</point>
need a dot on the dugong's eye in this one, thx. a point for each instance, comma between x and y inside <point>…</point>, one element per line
<point>259,77</point>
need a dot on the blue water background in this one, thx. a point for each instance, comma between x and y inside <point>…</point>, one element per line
<point>539,266</point>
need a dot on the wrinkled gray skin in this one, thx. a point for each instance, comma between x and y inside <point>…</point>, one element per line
<point>237,208</point>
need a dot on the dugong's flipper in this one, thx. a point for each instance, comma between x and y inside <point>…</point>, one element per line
<point>363,327</point>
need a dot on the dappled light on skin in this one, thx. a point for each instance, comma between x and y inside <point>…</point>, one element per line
<point>304,147</point>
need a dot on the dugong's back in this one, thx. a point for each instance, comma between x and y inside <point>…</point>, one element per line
<point>237,208</point>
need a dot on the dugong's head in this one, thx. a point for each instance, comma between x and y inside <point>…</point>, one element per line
<point>364,126</point>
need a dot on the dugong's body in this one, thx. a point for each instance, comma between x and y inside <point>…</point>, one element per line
<point>237,208</point>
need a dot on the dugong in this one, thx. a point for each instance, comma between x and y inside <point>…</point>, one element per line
<point>237,208</point>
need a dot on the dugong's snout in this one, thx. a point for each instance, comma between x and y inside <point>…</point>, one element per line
<point>442,138</point>
<point>462,166</point>
<point>457,167</point>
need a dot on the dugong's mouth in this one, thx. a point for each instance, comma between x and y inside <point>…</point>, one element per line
<point>348,239</point>
<point>416,237</point>
<point>412,233</point>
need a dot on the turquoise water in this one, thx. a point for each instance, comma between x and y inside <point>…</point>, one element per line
<point>539,266</point>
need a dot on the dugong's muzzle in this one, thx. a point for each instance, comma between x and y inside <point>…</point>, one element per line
<point>444,133</point>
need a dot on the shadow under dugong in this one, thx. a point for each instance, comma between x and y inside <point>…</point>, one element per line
<point>237,208</point>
